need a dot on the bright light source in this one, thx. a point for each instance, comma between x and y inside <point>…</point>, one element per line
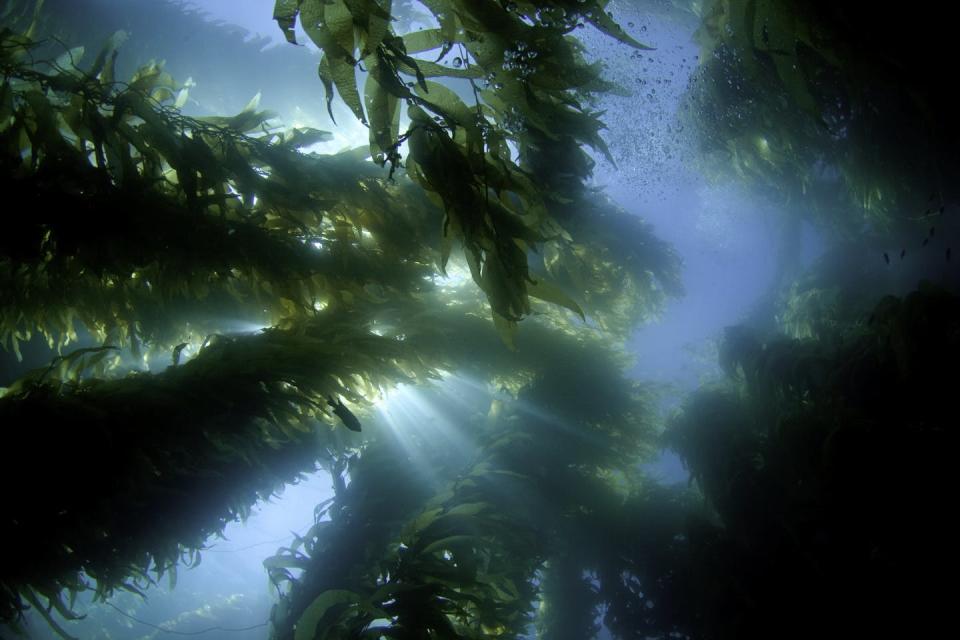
<point>245,327</point>
<point>414,415</point>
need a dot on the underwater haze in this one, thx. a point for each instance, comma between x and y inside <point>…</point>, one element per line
<point>461,319</point>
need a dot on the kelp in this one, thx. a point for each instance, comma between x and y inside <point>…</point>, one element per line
<point>149,228</point>
<point>827,463</point>
<point>146,466</point>
<point>811,101</point>
<point>614,263</point>
<point>212,190</point>
<point>172,30</point>
<point>459,149</point>
<point>244,223</point>
<point>459,551</point>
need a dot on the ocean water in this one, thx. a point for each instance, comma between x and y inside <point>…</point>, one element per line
<point>732,421</point>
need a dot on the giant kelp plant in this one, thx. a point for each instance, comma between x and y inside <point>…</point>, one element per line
<point>828,463</point>
<point>149,231</point>
<point>805,97</point>
<point>223,308</point>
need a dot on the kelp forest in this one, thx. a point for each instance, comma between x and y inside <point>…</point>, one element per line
<point>425,289</point>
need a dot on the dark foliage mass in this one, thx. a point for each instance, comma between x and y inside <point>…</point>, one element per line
<point>829,469</point>
<point>219,309</point>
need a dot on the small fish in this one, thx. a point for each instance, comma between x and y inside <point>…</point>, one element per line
<point>925,241</point>
<point>948,254</point>
<point>941,209</point>
<point>346,416</point>
<point>903,252</point>
<point>886,257</point>
<point>932,231</point>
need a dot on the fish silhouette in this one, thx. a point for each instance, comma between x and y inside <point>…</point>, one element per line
<point>346,416</point>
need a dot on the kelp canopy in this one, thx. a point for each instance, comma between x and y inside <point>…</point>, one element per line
<point>837,110</point>
<point>210,290</point>
<point>148,228</point>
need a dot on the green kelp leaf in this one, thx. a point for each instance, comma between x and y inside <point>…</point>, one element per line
<point>344,77</point>
<point>285,13</point>
<point>326,79</point>
<point>446,17</point>
<point>68,61</point>
<point>506,329</point>
<point>795,82</point>
<point>446,245</point>
<point>602,21</point>
<point>422,521</point>
<point>425,40</point>
<point>331,28</point>
<point>371,9</point>
<point>7,107</point>
<point>396,53</point>
<point>64,367</point>
<point>375,19</point>
<point>383,110</point>
<point>249,119</point>
<point>306,627</point>
<point>31,596</point>
<point>181,99</point>
<point>304,137</point>
<point>448,104</point>
<point>312,20</point>
<point>146,77</point>
<point>450,541</point>
<point>433,70</point>
<point>108,53</point>
<point>469,509</point>
<point>551,293</point>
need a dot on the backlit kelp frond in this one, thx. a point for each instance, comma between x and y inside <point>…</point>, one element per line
<point>622,274</point>
<point>145,466</point>
<point>233,221</point>
<point>810,101</point>
<point>243,413</point>
<point>158,232</point>
<point>507,59</point>
<point>140,213</point>
<point>511,483</point>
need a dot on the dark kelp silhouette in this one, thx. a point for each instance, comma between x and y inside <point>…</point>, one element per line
<point>820,463</point>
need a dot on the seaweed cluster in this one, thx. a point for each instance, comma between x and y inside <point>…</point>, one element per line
<point>149,231</point>
<point>836,111</point>
<point>827,463</point>
<point>822,468</point>
<point>223,309</point>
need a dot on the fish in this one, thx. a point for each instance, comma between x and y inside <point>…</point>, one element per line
<point>948,254</point>
<point>932,231</point>
<point>886,257</point>
<point>925,241</point>
<point>903,252</point>
<point>346,416</point>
